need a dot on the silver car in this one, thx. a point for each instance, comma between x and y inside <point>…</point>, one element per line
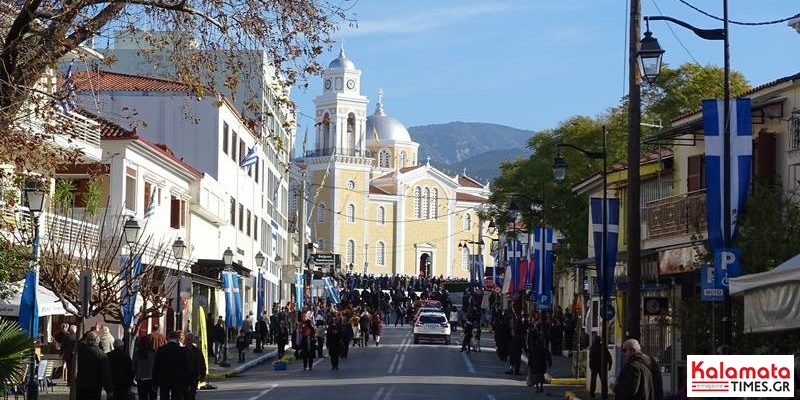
<point>432,325</point>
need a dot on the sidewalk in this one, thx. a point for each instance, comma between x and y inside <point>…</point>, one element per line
<point>251,360</point>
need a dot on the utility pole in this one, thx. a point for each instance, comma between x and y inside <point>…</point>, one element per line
<point>634,226</point>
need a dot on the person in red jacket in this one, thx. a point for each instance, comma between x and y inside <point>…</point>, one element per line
<point>377,328</point>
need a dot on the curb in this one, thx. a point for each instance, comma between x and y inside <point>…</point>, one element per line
<point>549,378</point>
<point>241,368</point>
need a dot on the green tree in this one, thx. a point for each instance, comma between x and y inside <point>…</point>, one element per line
<point>14,260</point>
<point>15,349</point>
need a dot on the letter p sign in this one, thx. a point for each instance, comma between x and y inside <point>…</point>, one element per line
<point>726,265</point>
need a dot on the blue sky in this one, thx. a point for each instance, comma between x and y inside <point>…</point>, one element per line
<point>530,64</point>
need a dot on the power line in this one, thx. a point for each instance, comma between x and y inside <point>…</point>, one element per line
<point>675,35</point>
<point>707,14</point>
<point>323,186</point>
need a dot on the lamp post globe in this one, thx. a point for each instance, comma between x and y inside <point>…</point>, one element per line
<point>131,230</point>
<point>227,257</point>
<point>649,57</point>
<point>559,168</point>
<point>35,197</point>
<point>178,248</point>
<point>260,259</point>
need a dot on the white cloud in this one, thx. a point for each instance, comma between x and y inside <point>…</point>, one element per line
<point>423,20</point>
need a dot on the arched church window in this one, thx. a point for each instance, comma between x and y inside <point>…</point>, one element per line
<point>401,160</point>
<point>380,253</point>
<point>383,158</point>
<point>465,258</point>
<point>351,213</point>
<point>381,215</point>
<point>435,203</point>
<point>351,131</point>
<point>326,132</point>
<point>426,203</point>
<point>467,222</point>
<point>417,202</point>
<point>351,251</point>
<point>321,213</point>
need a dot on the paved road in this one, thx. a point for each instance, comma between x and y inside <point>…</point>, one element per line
<point>397,369</point>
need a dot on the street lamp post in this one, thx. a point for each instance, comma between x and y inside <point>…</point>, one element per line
<point>464,244</point>
<point>649,57</point>
<point>559,173</point>
<point>178,248</point>
<point>259,257</point>
<point>131,231</point>
<point>35,198</point>
<point>227,260</point>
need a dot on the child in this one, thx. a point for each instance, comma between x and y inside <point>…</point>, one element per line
<point>241,344</point>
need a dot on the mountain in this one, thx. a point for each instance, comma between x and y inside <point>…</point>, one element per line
<point>478,146</point>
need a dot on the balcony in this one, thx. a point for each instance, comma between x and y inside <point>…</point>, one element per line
<point>677,216</point>
<point>71,131</point>
<point>57,231</point>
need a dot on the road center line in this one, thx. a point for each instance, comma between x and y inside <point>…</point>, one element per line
<point>265,391</point>
<point>377,395</point>
<point>391,366</point>
<point>400,364</point>
<point>470,367</point>
<point>490,397</point>
<point>389,394</point>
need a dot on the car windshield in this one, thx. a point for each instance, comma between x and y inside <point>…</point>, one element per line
<point>432,319</point>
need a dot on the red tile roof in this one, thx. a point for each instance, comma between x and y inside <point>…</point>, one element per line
<point>464,180</point>
<point>108,80</point>
<point>471,198</point>
<point>376,190</point>
<point>108,129</point>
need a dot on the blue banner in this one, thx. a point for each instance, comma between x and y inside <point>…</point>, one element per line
<point>237,300</point>
<point>543,275</point>
<point>605,268</point>
<point>332,291</point>
<point>129,271</point>
<point>299,289</point>
<point>233,300</point>
<point>476,269</point>
<point>29,305</point>
<point>741,157</point>
<point>513,255</point>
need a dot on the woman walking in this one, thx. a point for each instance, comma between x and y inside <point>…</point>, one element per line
<point>334,339</point>
<point>377,328</point>
<point>143,362</point>
<point>307,345</point>
<point>356,326</point>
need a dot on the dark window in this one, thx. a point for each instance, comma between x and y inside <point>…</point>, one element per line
<point>764,152</point>
<point>234,139</point>
<point>695,179</point>
<point>255,227</point>
<point>258,164</point>
<point>241,150</point>
<point>248,222</point>
<point>432,319</point>
<point>233,211</point>
<point>175,212</point>
<point>241,218</point>
<point>225,137</point>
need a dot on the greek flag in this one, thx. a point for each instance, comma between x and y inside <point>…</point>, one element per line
<point>67,88</point>
<point>151,206</point>
<point>131,272</point>
<point>233,301</point>
<point>333,294</point>
<point>741,157</point>
<point>605,269</point>
<point>250,159</point>
<point>29,305</point>
<point>543,275</point>
<point>299,288</point>
<point>513,255</point>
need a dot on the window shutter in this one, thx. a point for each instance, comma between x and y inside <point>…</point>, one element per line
<point>175,213</point>
<point>694,179</point>
<point>765,145</point>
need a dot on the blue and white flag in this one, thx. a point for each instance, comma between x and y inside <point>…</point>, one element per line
<point>605,269</point>
<point>543,274</point>
<point>741,157</point>
<point>237,301</point>
<point>513,255</point>
<point>151,206</point>
<point>29,305</point>
<point>250,159</point>
<point>233,300</point>
<point>130,272</point>
<point>333,293</point>
<point>67,88</point>
<point>475,269</point>
<point>299,288</point>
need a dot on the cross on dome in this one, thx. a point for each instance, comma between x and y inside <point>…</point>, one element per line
<point>379,105</point>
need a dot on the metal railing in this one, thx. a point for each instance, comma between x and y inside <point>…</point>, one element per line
<point>677,215</point>
<point>338,151</point>
<point>72,126</point>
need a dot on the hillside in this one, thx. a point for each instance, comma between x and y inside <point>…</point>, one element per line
<point>454,142</point>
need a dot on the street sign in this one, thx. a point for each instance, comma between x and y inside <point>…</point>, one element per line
<point>324,261</point>
<point>709,288</point>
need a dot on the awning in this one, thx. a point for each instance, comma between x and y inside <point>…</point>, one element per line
<point>49,303</point>
<point>770,298</point>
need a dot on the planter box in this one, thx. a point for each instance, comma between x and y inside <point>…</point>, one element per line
<point>279,367</point>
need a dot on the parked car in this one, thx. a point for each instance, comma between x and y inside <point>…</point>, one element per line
<point>432,325</point>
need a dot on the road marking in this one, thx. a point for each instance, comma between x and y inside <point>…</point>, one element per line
<point>389,394</point>
<point>470,367</point>
<point>263,392</point>
<point>391,366</point>
<point>377,395</point>
<point>490,397</point>
<point>400,364</point>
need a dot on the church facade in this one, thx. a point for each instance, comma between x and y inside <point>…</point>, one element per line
<point>373,202</point>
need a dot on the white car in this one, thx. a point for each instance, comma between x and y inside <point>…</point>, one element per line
<point>431,325</point>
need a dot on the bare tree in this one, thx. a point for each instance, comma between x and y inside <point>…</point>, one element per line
<point>37,33</point>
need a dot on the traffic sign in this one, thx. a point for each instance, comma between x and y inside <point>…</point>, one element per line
<point>488,282</point>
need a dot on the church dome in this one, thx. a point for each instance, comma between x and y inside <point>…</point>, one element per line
<point>342,62</point>
<point>388,127</point>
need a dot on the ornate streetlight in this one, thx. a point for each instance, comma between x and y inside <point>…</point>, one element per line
<point>35,199</point>
<point>178,248</point>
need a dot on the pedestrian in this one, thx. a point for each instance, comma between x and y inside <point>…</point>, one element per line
<point>94,373</point>
<point>539,360</point>
<point>515,351</point>
<point>105,341</point>
<point>355,325</point>
<point>121,370</point>
<point>281,338</point>
<point>595,352</point>
<point>218,337</point>
<point>377,328</point>
<point>169,368</point>
<point>467,337</point>
<point>320,328</point>
<point>195,367</point>
<point>241,344</point>
<point>334,338</point>
<point>248,326</point>
<point>640,377</point>
<point>262,331</point>
<point>143,361</point>
<point>366,323</point>
<point>68,351</point>
<point>307,345</point>
<point>273,327</point>
<point>347,335</point>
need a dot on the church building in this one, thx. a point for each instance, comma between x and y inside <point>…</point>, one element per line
<point>371,199</point>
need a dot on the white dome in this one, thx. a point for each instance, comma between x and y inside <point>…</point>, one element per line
<point>342,62</point>
<point>388,127</point>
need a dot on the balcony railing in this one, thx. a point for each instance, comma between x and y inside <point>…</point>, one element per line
<point>677,215</point>
<point>57,230</point>
<point>338,151</point>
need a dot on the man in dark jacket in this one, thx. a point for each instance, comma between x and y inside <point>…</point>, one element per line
<point>68,351</point>
<point>539,360</point>
<point>640,377</point>
<point>169,369</point>
<point>195,367</point>
<point>121,370</point>
<point>262,331</point>
<point>218,338</point>
<point>94,373</point>
<point>595,353</point>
